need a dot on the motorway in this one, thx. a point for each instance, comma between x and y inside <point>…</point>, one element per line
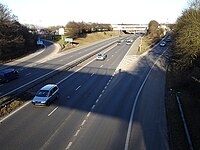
<point>32,71</point>
<point>99,107</point>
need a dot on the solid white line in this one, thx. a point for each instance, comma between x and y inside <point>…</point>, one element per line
<point>185,124</point>
<point>78,87</point>
<point>69,145</point>
<point>134,105</point>
<point>28,74</point>
<point>14,111</point>
<point>52,111</point>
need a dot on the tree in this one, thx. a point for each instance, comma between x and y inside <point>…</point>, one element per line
<point>15,39</point>
<point>187,38</point>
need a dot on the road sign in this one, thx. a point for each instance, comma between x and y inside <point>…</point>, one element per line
<point>69,40</point>
<point>39,42</point>
<point>61,31</point>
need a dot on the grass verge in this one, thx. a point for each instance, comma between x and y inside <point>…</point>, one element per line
<point>191,108</point>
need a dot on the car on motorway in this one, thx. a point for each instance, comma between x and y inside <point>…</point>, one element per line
<point>101,56</point>
<point>7,75</point>
<point>119,43</point>
<point>163,43</point>
<point>128,42</point>
<point>46,95</point>
<point>168,39</point>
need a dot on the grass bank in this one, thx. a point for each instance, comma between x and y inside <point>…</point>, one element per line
<point>188,91</point>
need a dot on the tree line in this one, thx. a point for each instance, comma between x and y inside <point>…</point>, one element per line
<point>187,38</point>
<point>15,38</point>
<point>185,62</point>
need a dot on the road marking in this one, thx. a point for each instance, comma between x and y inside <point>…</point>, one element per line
<point>69,145</point>
<point>90,112</point>
<point>28,74</point>
<point>100,95</point>
<point>93,107</point>
<point>135,102</point>
<point>77,132</point>
<point>78,87</point>
<point>97,100</point>
<point>14,111</point>
<point>103,91</point>
<point>92,74</point>
<point>71,56</point>
<point>101,66</point>
<point>108,59</point>
<point>83,122</point>
<point>61,60</point>
<point>52,111</point>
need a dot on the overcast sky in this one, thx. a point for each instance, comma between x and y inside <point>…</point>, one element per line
<point>59,12</point>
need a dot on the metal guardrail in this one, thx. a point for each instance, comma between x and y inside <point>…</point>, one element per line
<point>46,77</point>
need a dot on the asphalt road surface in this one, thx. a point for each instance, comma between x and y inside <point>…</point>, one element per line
<point>98,108</point>
<point>32,70</point>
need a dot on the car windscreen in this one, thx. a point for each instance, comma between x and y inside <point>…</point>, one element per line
<point>100,55</point>
<point>42,93</point>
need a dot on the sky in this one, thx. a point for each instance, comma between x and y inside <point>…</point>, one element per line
<point>59,12</point>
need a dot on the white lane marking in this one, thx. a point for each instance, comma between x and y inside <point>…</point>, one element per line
<point>71,56</point>
<point>93,107</point>
<point>77,132</point>
<point>108,59</point>
<point>52,111</point>
<point>28,74</point>
<point>61,60</point>
<point>14,111</point>
<point>74,72</point>
<point>97,100</point>
<point>92,74</point>
<point>103,91</point>
<point>135,102</point>
<point>105,87</point>
<point>100,95</point>
<point>78,87</point>
<point>83,122</point>
<point>69,145</point>
<point>90,112</point>
<point>101,66</point>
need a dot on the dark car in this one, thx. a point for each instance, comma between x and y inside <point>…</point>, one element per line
<point>46,95</point>
<point>7,75</point>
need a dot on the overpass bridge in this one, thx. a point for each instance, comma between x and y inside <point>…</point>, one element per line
<point>130,27</point>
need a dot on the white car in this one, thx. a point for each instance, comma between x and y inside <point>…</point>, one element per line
<point>101,56</point>
<point>163,43</point>
<point>46,95</point>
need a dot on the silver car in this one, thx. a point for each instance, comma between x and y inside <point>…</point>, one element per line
<point>46,95</point>
<point>101,56</point>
